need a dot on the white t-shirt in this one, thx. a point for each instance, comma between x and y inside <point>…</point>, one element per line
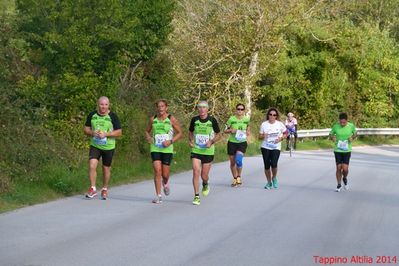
<point>291,123</point>
<point>273,131</point>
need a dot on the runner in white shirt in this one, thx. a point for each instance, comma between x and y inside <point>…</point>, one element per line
<point>272,132</point>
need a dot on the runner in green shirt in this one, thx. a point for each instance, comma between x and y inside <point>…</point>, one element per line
<point>238,128</point>
<point>162,131</point>
<point>203,133</point>
<point>342,133</point>
<point>103,127</point>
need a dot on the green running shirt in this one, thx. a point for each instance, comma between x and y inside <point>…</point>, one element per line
<point>105,123</point>
<point>342,134</point>
<point>241,126</point>
<point>203,130</point>
<point>161,130</point>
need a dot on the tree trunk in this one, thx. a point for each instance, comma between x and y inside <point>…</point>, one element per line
<point>248,83</point>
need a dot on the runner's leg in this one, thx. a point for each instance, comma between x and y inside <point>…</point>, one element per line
<point>157,166</point>
<point>196,174</point>
<point>93,171</point>
<point>233,166</point>
<point>106,175</point>
<point>206,167</point>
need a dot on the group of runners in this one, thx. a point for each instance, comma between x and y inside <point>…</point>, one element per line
<point>163,129</point>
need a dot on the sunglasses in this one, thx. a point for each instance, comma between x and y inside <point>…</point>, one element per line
<point>240,109</point>
<point>272,114</point>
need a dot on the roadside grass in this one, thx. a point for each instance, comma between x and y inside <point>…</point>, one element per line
<point>55,181</point>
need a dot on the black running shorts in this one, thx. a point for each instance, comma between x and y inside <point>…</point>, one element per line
<point>106,155</point>
<point>270,158</point>
<point>233,148</point>
<point>165,158</point>
<point>204,158</point>
<point>342,157</point>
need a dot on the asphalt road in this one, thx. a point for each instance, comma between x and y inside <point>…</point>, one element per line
<point>301,223</point>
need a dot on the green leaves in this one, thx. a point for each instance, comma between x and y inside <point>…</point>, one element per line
<point>83,47</point>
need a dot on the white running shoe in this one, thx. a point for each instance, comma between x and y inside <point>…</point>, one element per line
<point>157,200</point>
<point>166,188</point>
<point>338,189</point>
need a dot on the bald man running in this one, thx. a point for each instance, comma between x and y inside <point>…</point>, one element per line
<point>103,127</point>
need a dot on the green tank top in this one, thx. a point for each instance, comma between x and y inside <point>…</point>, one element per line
<point>241,126</point>
<point>161,130</point>
<point>104,124</point>
<point>203,131</point>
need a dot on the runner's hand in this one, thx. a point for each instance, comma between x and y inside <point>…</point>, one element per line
<point>166,143</point>
<point>209,144</point>
<point>191,144</point>
<point>102,134</point>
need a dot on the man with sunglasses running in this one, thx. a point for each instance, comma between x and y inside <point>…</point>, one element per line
<point>204,132</point>
<point>342,133</point>
<point>238,128</point>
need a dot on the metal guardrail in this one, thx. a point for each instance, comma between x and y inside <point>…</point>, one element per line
<point>360,131</point>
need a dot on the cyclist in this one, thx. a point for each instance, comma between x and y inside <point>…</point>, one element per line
<point>238,128</point>
<point>160,135</point>
<point>204,132</point>
<point>272,132</point>
<point>292,125</point>
<point>103,127</point>
<point>342,133</point>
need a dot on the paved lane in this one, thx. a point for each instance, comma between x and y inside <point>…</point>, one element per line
<point>232,226</point>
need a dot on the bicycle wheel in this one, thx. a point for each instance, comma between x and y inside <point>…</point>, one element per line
<point>291,144</point>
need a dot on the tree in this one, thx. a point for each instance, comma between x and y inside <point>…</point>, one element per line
<point>82,49</point>
<point>219,48</point>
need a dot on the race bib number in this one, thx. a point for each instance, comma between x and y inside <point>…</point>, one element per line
<point>241,135</point>
<point>159,139</point>
<point>100,141</point>
<point>271,144</point>
<point>343,145</point>
<point>201,140</point>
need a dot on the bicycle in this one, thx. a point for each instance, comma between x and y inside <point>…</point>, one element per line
<point>291,141</point>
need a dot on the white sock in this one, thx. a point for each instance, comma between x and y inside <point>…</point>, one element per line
<point>93,187</point>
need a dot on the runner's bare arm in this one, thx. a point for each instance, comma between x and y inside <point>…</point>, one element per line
<point>115,133</point>
<point>177,128</point>
<point>88,131</point>
<point>148,131</point>
<point>191,139</point>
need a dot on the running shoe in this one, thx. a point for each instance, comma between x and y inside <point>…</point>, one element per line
<point>196,200</point>
<point>104,194</point>
<point>91,193</point>
<point>157,200</point>
<point>205,190</point>
<point>239,183</point>
<point>346,185</point>
<point>269,186</point>
<point>234,184</point>
<point>338,189</point>
<point>166,189</point>
<point>275,182</point>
